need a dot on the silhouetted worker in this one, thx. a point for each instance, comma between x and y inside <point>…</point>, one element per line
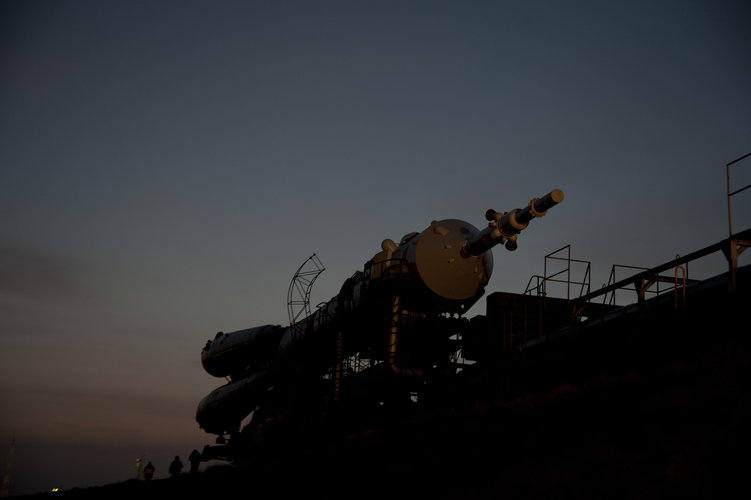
<point>195,461</point>
<point>175,467</point>
<point>148,471</point>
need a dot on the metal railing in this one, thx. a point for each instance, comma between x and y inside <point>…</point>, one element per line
<point>641,282</point>
<point>733,193</point>
<point>541,282</point>
<point>672,282</point>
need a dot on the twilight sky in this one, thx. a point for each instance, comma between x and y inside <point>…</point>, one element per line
<point>165,166</point>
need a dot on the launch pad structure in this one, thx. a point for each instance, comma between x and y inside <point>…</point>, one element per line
<point>379,372</point>
<point>530,316</point>
<point>654,385</point>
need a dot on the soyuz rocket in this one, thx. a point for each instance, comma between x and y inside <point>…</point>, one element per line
<point>394,313</point>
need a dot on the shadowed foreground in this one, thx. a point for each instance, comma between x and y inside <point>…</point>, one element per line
<point>677,429</point>
<point>654,406</point>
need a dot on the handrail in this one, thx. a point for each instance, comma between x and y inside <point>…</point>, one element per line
<point>731,194</point>
<point>683,269</point>
<point>643,276</point>
<point>568,260</point>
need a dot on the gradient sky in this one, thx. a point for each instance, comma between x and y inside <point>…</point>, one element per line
<point>165,166</point>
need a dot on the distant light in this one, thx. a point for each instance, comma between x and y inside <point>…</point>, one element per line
<point>54,490</point>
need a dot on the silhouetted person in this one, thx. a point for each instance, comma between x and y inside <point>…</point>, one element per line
<point>195,461</point>
<point>148,471</point>
<point>175,467</point>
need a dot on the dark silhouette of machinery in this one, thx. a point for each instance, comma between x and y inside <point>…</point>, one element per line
<point>388,338</point>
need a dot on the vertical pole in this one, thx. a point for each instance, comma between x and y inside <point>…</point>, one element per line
<point>732,256</point>
<point>641,289</point>
<point>730,216</point>
<point>568,276</point>
<point>730,194</point>
<point>338,365</point>
<point>675,287</point>
<point>732,252</point>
